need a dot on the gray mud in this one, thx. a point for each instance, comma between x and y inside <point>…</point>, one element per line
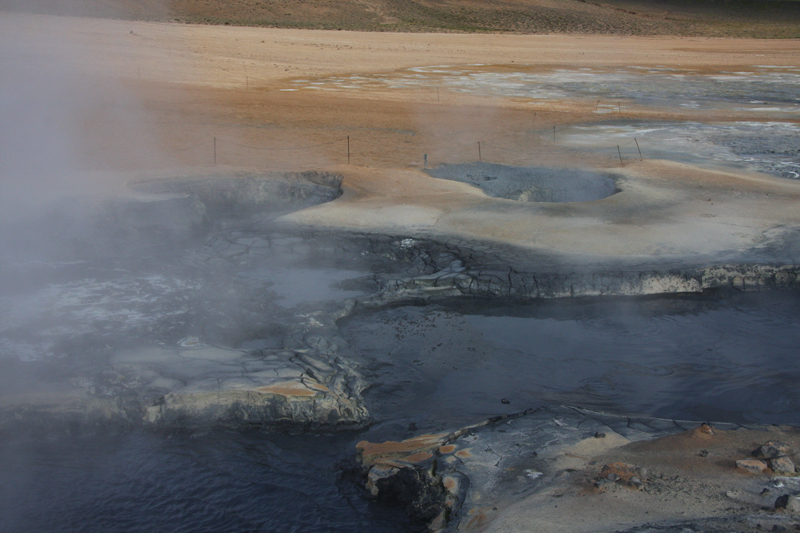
<point>240,193</point>
<point>768,147</point>
<point>701,358</point>
<point>768,90</point>
<point>177,311</point>
<point>531,184</point>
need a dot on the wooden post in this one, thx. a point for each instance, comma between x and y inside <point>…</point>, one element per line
<point>348,149</point>
<point>554,134</point>
<point>637,147</point>
<point>425,161</point>
<point>215,151</point>
<point>597,106</point>
<point>620,157</point>
<point>479,152</point>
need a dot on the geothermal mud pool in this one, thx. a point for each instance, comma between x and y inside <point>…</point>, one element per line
<point>535,184</point>
<point>148,341</point>
<point>727,359</point>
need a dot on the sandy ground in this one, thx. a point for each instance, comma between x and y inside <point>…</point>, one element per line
<point>691,476</point>
<point>101,95</point>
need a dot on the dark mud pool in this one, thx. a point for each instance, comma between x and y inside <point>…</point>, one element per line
<point>433,367</point>
<point>693,358</point>
<point>199,301</point>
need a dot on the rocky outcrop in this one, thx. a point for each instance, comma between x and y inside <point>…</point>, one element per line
<point>554,467</point>
<point>459,280</point>
<point>426,270</point>
<point>404,473</point>
<point>772,456</point>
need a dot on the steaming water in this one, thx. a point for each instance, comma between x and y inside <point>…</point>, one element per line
<point>438,367</point>
<point>298,285</point>
<point>732,360</point>
<point>434,368</point>
<point>221,482</point>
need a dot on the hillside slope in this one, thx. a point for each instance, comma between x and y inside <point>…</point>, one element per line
<point>732,18</point>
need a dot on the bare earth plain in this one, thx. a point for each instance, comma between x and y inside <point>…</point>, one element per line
<point>127,100</point>
<point>150,96</point>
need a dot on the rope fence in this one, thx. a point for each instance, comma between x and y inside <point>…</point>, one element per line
<point>479,148</point>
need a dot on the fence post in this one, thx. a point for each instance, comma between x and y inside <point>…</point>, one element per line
<point>479,152</point>
<point>425,161</point>
<point>637,147</point>
<point>620,156</point>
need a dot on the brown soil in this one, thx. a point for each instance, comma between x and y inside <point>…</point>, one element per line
<point>690,476</point>
<point>148,97</point>
<point>740,18</point>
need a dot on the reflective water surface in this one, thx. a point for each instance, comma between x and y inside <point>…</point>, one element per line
<point>218,482</point>
<point>733,359</point>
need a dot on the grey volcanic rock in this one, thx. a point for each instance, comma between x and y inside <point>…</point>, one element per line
<point>457,280</point>
<point>782,465</point>
<point>533,470</point>
<point>405,474</point>
<point>506,458</point>
<point>788,502</point>
<point>754,466</point>
<point>531,184</point>
<point>772,450</point>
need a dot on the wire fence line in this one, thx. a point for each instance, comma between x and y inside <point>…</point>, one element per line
<point>283,149</point>
<point>187,148</point>
<point>462,146</point>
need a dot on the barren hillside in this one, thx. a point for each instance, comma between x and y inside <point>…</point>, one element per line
<point>731,18</point>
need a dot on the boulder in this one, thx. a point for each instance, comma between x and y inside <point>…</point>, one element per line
<point>772,450</point>
<point>754,466</point>
<point>788,503</point>
<point>782,465</point>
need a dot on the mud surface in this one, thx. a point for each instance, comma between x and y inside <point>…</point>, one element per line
<point>701,358</point>
<point>765,89</point>
<point>531,184</point>
<point>768,147</point>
